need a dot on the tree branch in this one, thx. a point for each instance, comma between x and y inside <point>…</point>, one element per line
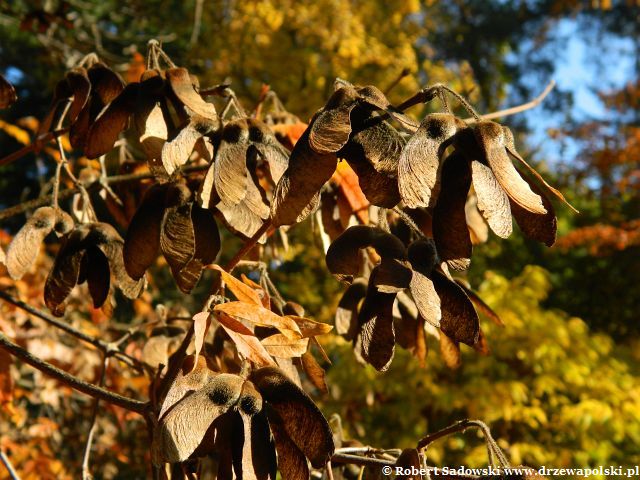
<point>86,472</point>
<point>107,348</point>
<point>69,192</point>
<point>39,141</point>
<point>7,463</point>
<point>71,381</point>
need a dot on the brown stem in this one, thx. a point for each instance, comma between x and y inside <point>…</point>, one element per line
<point>71,381</point>
<point>248,245</point>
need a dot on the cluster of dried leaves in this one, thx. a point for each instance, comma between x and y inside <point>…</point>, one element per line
<point>412,201</point>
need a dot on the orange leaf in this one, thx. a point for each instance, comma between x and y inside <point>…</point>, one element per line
<point>245,341</point>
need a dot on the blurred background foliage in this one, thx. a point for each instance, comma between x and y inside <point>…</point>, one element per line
<point>561,386</point>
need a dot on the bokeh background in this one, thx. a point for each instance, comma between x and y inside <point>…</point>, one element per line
<point>562,384</point>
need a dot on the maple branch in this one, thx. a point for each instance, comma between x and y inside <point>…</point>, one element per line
<point>248,245</point>
<point>7,463</point>
<point>72,381</point>
<point>107,348</point>
<point>69,192</point>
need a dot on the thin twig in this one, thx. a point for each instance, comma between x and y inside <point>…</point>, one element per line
<point>105,347</point>
<point>197,22</point>
<point>71,381</point>
<point>7,463</point>
<point>69,192</point>
<point>248,245</point>
<point>86,473</point>
<point>36,144</point>
<point>518,109</point>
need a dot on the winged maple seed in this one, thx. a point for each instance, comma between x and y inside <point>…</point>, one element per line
<point>7,93</point>
<point>255,424</point>
<point>90,253</point>
<point>366,311</point>
<point>170,220</point>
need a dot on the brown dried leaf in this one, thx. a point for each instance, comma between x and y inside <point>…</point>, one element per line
<point>143,235</point>
<point>375,341</point>
<point>331,127</point>
<point>491,138</point>
<point>282,346</point>
<point>511,149</point>
<point>409,459</point>
<point>297,192</point>
<point>201,323</point>
<point>493,202</point>
<point>343,258</point>
<point>259,315</point>
<point>23,249</point>
<point>538,227</point>
<point>300,418</point>
<point>98,275</point>
<point>7,93</point>
<point>309,328</point>
<point>459,319</point>
<point>450,231</point>
<point>254,455</point>
<point>315,373</point>
<point>244,339</point>
<point>243,292</point>
<point>80,86</point>
<point>450,352</point>
<point>292,463</point>
<point>182,86</point>
<point>373,151</point>
<point>193,376</point>
<point>184,426</point>
<point>420,158</point>
<point>176,152</point>
<point>104,132</point>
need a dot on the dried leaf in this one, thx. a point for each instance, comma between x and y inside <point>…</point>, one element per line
<point>315,373</point>
<point>347,312</point>
<point>143,235</point>
<point>511,149</point>
<point>343,259</point>
<point>296,194</point>
<point>176,152</point>
<point>538,227</point>
<point>181,85</point>
<point>459,319</point>
<point>492,141</point>
<point>376,335</point>
<point>309,328</point>
<point>7,93</point>
<point>104,132</point>
<point>450,231</point>
<point>23,249</point>
<point>282,346</point>
<point>243,292</point>
<point>184,426</point>
<point>330,129</point>
<point>254,455</point>
<point>98,275</point>
<point>373,152</point>
<point>201,323</point>
<point>419,161</point>
<point>493,202</point>
<point>244,339</point>
<point>450,352</point>
<point>194,379</point>
<point>300,418</point>
<point>259,315</point>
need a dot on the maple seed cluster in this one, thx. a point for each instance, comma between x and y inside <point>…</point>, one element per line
<point>406,212</point>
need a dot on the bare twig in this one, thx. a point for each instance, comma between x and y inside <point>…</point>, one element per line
<point>69,192</point>
<point>37,143</point>
<point>197,22</point>
<point>518,109</point>
<point>71,381</point>
<point>248,245</point>
<point>7,463</point>
<point>86,473</point>
<point>106,347</point>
